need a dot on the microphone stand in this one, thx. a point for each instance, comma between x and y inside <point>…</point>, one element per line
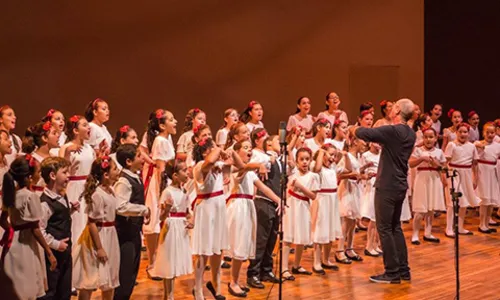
<point>455,198</point>
<point>284,183</point>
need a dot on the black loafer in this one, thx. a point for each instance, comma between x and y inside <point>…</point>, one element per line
<point>211,288</point>
<point>225,265</point>
<point>232,292</point>
<point>254,282</point>
<point>417,242</point>
<point>432,240</point>
<point>494,230</point>
<point>289,278</point>
<point>298,271</point>
<point>345,261</point>
<point>487,231</point>
<point>449,236</point>
<point>330,267</point>
<point>354,258</point>
<point>320,271</point>
<point>466,233</point>
<point>270,277</point>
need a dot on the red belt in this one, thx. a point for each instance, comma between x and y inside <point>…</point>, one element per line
<point>487,162</point>
<point>178,214</point>
<point>37,188</point>
<point>206,196</point>
<point>327,191</point>
<point>8,236</point>
<point>77,178</point>
<point>147,180</point>
<point>241,196</point>
<point>460,166</point>
<point>105,224</point>
<point>427,169</point>
<point>292,193</point>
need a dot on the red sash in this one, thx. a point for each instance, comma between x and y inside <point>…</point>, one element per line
<point>427,169</point>
<point>327,191</point>
<point>37,188</point>
<point>205,196</point>
<point>178,215</point>
<point>487,162</point>
<point>148,179</point>
<point>460,166</point>
<point>242,196</point>
<point>77,178</point>
<point>105,224</point>
<point>303,198</point>
<point>8,236</point>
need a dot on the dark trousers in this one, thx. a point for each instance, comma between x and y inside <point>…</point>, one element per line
<point>130,258</point>
<point>388,205</point>
<point>267,232</point>
<point>59,280</point>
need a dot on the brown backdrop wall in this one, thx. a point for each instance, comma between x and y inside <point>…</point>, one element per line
<point>208,54</point>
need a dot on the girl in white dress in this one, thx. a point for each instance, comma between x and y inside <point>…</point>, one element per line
<point>295,140</point>
<point>365,119</point>
<point>428,194</point>
<point>473,120</point>
<point>371,157</point>
<point>302,117</point>
<point>385,109</point>
<point>259,154</point>
<point>194,118</point>
<point>161,152</point>
<point>56,118</point>
<point>21,259</point>
<point>461,156</point>
<point>8,123</point>
<point>230,118</point>
<point>349,193</point>
<point>297,220</point>
<point>325,214</point>
<point>252,116</point>
<point>80,155</point>
<point>210,234</point>
<point>241,213</point>
<point>39,140</point>
<point>321,131</point>
<point>239,132</point>
<point>488,189</point>
<point>340,130</point>
<point>96,256</point>
<point>450,133</point>
<point>435,114</point>
<point>97,113</point>
<point>332,111</point>
<point>124,135</point>
<point>173,257</point>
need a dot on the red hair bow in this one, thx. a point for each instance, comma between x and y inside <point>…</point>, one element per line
<point>261,134</point>
<point>463,124</point>
<point>365,112</point>
<point>196,111</point>
<point>337,122</point>
<point>51,112</point>
<point>450,112</point>
<point>202,142</point>
<point>497,122</point>
<point>424,130</point>
<point>327,146</point>
<point>472,113</point>
<point>31,161</point>
<point>159,113</point>
<point>383,103</point>
<point>124,129</point>
<point>74,119</point>
<point>196,129</point>
<point>323,121</point>
<point>46,126</point>
<point>252,103</point>
<point>105,162</point>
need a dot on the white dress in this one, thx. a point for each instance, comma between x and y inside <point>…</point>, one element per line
<point>221,137</point>
<point>325,214</point>
<point>473,134</point>
<point>88,272</point>
<point>185,142</point>
<point>161,150</point>
<point>210,235</point>
<point>40,185</point>
<point>368,193</point>
<point>144,143</point>
<point>80,165</point>
<point>99,134</point>
<point>10,157</point>
<point>173,255</point>
<point>488,189</point>
<point>311,144</point>
<point>428,189</point>
<point>331,118</point>
<point>251,126</point>
<point>294,121</point>
<point>449,134</point>
<point>461,158</point>
<point>338,144</point>
<point>242,217</point>
<point>349,192</point>
<point>24,263</point>
<point>297,219</point>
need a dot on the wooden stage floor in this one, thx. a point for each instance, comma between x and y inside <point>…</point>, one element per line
<point>433,275</point>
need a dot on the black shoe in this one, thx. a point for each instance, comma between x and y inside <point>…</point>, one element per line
<point>466,233</point>
<point>368,253</point>
<point>432,240</point>
<point>227,258</point>
<point>320,271</point>
<point>154,278</point>
<point>298,271</point>
<point>353,258</point>
<point>289,278</point>
<point>292,250</point>
<point>494,230</point>
<point>211,288</point>
<point>494,224</point>
<point>74,293</point>
<point>449,236</point>
<point>496,216</point>
<point>345,261</point>
<point>437,214</point>
<point>136,283</point>
<point>143,248</point>
<point>270,277</point>
<point>362,228</point>
<point>329,267</point>
<point>255,282</point>
<point>207,268</point>
<point>487,231</point>
<point>225,265</point>
<point>384,278</point>
<point>246,289</point>
<point>417,242</point>
<point>239,295</point>
<point>406,276</point>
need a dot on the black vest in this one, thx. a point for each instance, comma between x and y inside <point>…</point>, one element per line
<point>273,180</point>
<point>124,224</point>
<point>59,224</point>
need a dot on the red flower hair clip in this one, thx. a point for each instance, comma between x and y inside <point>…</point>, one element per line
<point>196,111</point>
<point>424,130</point>
<point>124,129</point>
<point>74,119</point>
<point>197,129</point>
<point>31,161</point>
<point>327,146</point>
<point>383,103</point>
<point>252,104</point>
<point>463,124</point>
<point>337,122</point>
<point>497,122</point>
<point>261,134</point>
<point>471,113</point>
<point>450,112</point>
<point>50,113</point>
<point>323,121</point>
<point>105,162</point>
<point>364,113</point>
<point>159,113</point>
<point>202,142</point>
<point>46,126</point>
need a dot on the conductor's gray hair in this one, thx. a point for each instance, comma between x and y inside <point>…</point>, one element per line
<point>406,108</point>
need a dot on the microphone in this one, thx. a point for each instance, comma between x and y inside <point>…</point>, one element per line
<point>282,133</point>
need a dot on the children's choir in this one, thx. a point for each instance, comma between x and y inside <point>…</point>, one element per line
<point>77,202</point>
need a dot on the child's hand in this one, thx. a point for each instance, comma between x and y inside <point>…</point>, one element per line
<point>63,245</point>
<point>147,217</point>
<point>189,225</point>
<point>74,148</point>
<point>75,205</point>
<point>101,256</point>
<point>53,261</point>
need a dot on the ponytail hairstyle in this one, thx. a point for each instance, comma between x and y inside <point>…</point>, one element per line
<point>122,133</point>
<point>420,121</point>
<point>93,105</point>
<point>201,147</point>
<point>197,132</point>
<point>171,167</point>
<point>21,169</point>
<point>72,124</point>
<point>15,142</point>
<point>159,117</point>
<point>297,110</point>
<point>383,106</point>
<point>235,129</point>
<point>303,149</point>
<point>257,134</point>
<point>365,106</point>
<point>100,166</point>
<point>245,115</point>
<point>322,122</point>
<point>227,113</point>
<point>190,116</point>
<point>32,139</point>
